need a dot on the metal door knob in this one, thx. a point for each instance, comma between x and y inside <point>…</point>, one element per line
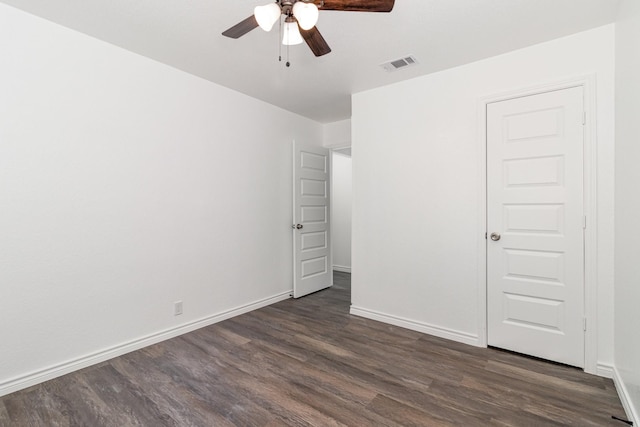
<point>495,237</point>
<point>297,226</point>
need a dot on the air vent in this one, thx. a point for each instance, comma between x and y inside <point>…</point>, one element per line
<point>399,63</point>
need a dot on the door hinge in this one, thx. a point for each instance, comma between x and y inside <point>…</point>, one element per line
<point>584,221</point>
<point>485,236</point>
<point>584,323</point>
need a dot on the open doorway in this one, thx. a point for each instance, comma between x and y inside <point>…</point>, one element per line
<point>341,214</point>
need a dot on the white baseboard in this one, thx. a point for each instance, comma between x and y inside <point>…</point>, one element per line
<point>604,370</point>
<point>629,409</point>
<point>342,268</point>
<point>42,375</point>
<point>426,328</point>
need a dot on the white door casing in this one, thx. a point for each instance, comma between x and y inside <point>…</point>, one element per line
<point>535,271</point>
<point>311,229</point>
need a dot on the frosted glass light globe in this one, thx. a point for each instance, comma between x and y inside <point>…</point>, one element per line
<point>291,34</point>
<point>306,14</point>
<point>267,15</point>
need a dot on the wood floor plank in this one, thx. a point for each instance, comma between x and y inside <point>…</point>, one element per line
<point>4,415</point>
<point>406,415</point>
<point>307,362</point>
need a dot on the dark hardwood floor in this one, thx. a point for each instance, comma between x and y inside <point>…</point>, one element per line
<point>308,362</point>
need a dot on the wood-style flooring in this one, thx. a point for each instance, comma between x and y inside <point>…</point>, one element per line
<point>308,362</point>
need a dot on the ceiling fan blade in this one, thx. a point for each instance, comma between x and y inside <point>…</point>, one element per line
<point>241,28</point>
<point>315,41</point>
<point>356,5</point>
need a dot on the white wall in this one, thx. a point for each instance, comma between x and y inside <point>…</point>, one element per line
<point>337,134</point>
<point>627,265</point>
<point>341,212</point>
<point>126,185</point>
<point>417,186</point>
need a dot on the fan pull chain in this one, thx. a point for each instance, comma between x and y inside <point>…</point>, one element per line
<point>279,43</point>
<point>288,64</point>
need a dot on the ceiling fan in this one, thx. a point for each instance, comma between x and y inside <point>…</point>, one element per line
<point>300,19</point>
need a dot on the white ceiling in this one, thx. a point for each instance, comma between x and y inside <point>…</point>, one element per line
<point>439,33</point>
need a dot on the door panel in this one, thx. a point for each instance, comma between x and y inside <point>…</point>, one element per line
<point>535,270</point>
<point>312,256</point>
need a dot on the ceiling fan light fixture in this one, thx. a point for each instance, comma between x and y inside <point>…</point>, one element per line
<point>291,33</point>
<point>306,14</point>
<point>302,20</point>
<point>267,15</point>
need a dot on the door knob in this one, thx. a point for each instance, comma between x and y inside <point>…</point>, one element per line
<point>495,237</point>
<point>297,226</point>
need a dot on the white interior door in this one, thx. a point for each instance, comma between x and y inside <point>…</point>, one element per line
<point>535,220</point>
<point>311,236</point>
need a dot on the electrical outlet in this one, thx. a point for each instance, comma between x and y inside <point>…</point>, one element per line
<point>177,308</point>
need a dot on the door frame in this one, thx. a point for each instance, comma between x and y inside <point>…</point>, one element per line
<point>588,83</point>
